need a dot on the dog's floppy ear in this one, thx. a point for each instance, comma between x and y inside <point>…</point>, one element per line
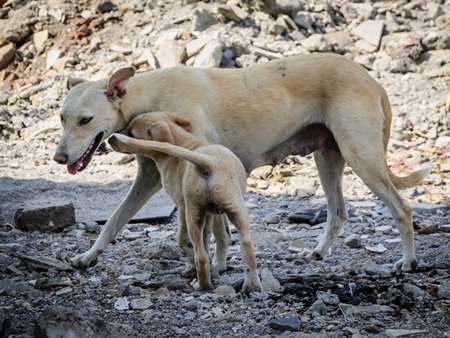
<point>118,82</point>
<point>160,133</point>
<point>73,81</point>
<point>181,121</point>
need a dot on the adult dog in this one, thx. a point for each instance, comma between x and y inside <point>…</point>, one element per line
<point>321,103</point>
<point>203,180</point>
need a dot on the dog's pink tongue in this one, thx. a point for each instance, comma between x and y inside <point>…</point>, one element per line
<point>73,168</point>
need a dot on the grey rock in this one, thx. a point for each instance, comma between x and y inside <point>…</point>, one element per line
<point>262,172</point>
<point>318,307</point>
<point>170,53</point>
<point>317,43</point>
<point>269,282</point>
<point>444,289</point>
<point>191,305</point>
<point>275,8</point>
<point>16,33</point>
<point>39,263</point>
<point>415,292</point>
<point>165,250</point>
<point>202,20</point>
<point>437,40</point>
<point>365,60</point>
<point>286,324</point>
<point>105,6</point>
<point>140,304</point>
<point>48,216</point>
<point>443,22</point>
<point>370,30</point>
<point>328,297</point>
<point>371,269</point>
<point>58,321</point>
<point>303,20</point>
<point>405,333</point>
<point>210,56</point>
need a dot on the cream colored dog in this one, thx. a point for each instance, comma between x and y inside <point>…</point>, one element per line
<point>203,180</point>
<point>324,104</point>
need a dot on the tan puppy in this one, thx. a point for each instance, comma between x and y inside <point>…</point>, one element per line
<point>202,179</point>
<point>324,104</point>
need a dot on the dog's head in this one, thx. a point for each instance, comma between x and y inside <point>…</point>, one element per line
<point>155,126</point>
<point>91,113</point>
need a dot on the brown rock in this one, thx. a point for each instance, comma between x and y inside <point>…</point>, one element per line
<point>7,55</point>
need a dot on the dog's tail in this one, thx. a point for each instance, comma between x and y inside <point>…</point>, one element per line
<point>409,181</point>
<point>200,160</point>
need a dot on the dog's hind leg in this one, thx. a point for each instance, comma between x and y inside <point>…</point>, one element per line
<point>362,143</point>
<point>239,216</point>
<point>196,219</point>
<point>147,183</point>
<point>330,165</point>
<point>222,237</point>
<point>374,173</point>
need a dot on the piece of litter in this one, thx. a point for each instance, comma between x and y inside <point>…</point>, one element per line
<point>378,248</point>
<point>161,234</point>
<point>393,240</point>
<point>122,304</point>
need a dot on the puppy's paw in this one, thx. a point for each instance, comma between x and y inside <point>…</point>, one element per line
<point>218,267</point>
<point>84,261</point>
<point>308,255</point>
<point>204,286</point>
<point>254,286</point>
<point>404,265</point>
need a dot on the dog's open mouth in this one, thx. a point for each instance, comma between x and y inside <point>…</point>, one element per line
<point>84,160</point>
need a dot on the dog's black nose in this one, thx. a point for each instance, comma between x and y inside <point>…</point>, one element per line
<point>61,159</point>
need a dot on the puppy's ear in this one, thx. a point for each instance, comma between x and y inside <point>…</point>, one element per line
<point>118,82</point>
<point>160,133</point>
<point>181,121</point>
<point>73,81</point>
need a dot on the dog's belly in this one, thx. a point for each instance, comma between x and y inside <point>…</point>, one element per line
<point>305,142</point>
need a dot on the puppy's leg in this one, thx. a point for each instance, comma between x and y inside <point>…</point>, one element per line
<point>209,221</point>
<point>239,217</point>
<point>330,165</point>
<point>222,237</point>
<point>195,224</point>
<point>147,183</point>
<point>182,237</point>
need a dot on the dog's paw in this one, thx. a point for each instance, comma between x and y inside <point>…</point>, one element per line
<point>308,255</point>
<point>405,265</point>
<point>84,261</point>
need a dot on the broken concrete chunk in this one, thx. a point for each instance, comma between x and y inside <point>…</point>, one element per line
<point>52,217</point>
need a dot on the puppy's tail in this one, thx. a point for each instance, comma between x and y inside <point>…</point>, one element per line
<point>409,181</point>
<point>202,161</point>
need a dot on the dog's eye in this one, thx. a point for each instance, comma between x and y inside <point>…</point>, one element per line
<point>85,120</point>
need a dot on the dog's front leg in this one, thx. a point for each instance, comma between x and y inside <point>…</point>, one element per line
<point>147,183</point>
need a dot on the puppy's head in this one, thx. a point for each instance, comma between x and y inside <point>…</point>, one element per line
<point>155,126</point>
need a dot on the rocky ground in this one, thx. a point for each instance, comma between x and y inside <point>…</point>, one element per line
<point>140,287</point>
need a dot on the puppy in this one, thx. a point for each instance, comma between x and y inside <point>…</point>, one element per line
<point>204,180</point>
